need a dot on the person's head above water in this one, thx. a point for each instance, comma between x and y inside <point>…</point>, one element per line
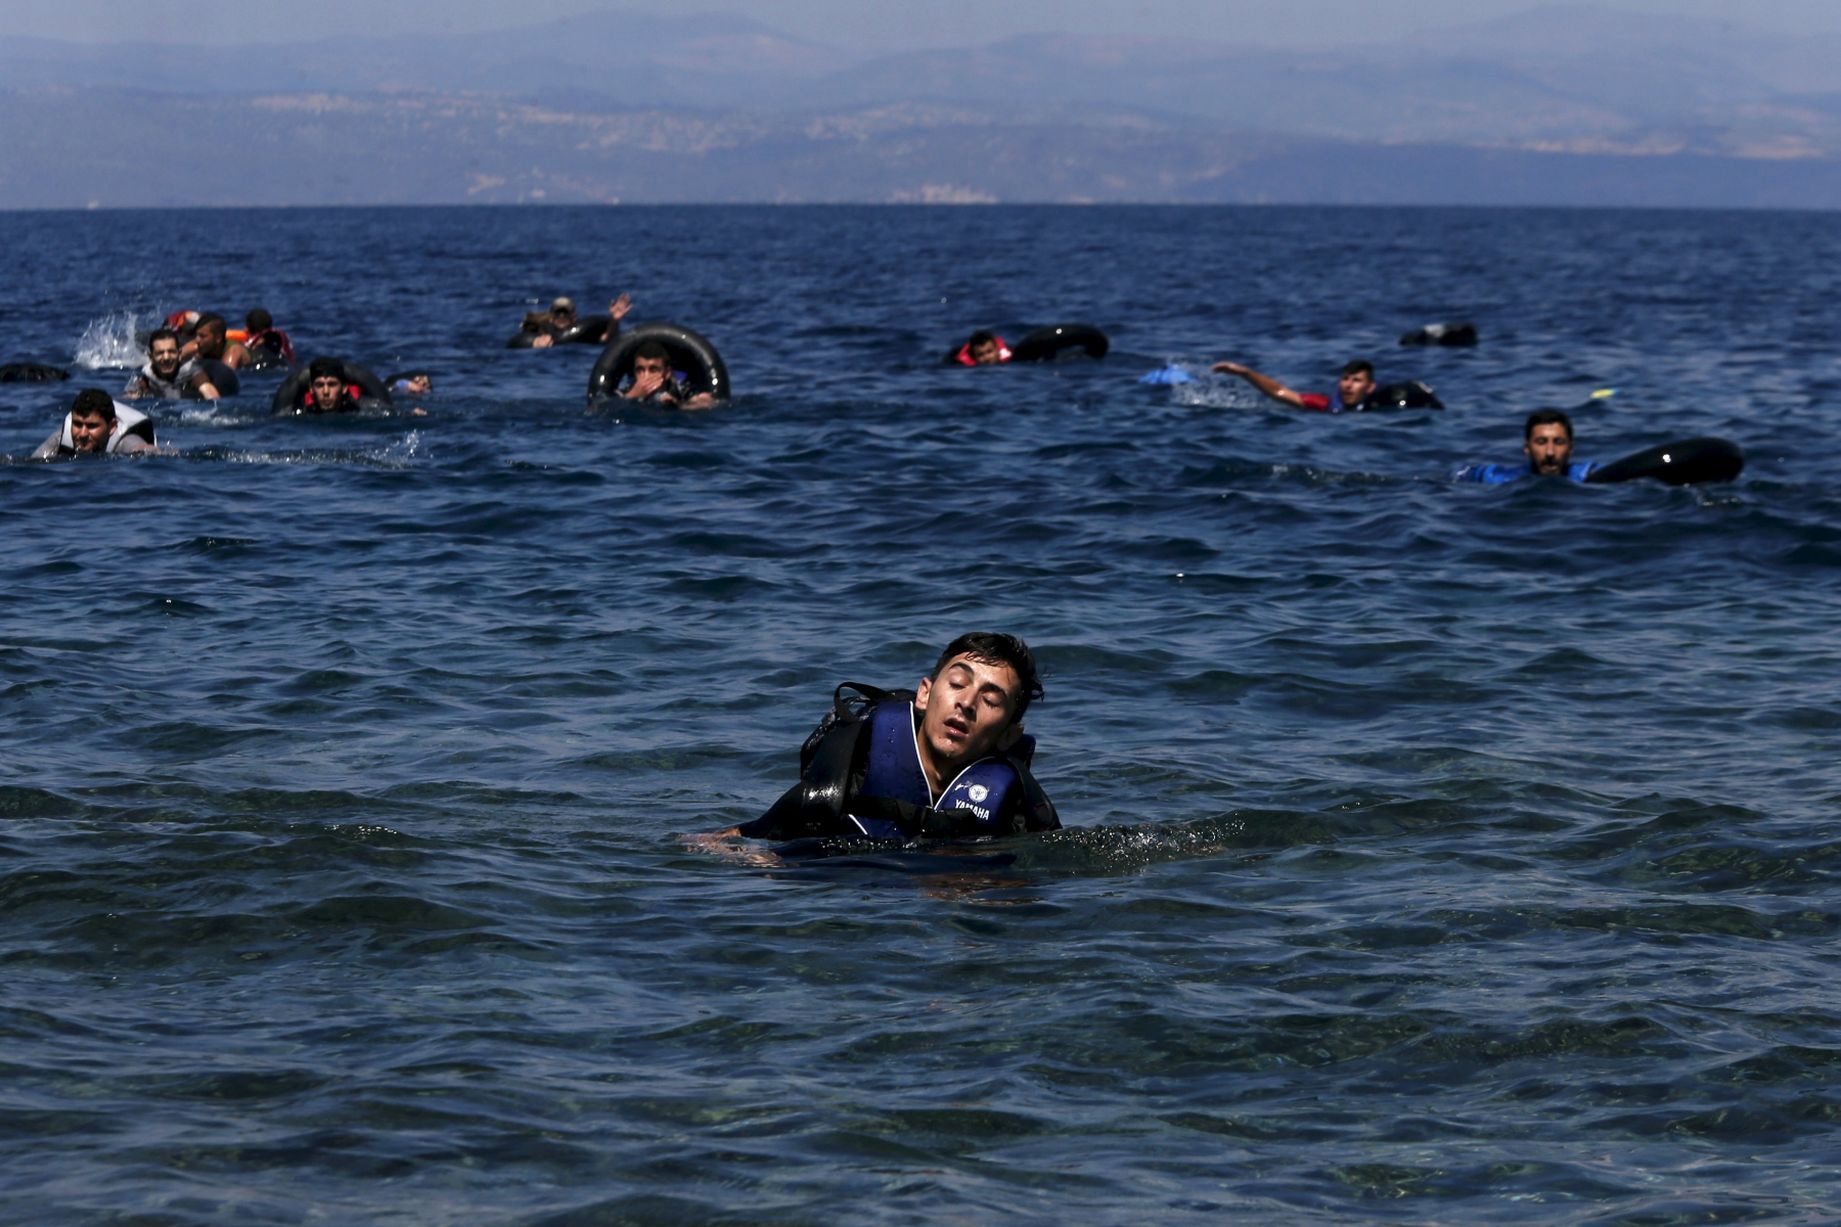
<point>258,320</point>
<point>1355,383</point>
<point>210,336</point>
<point>1548,440</point>
<point>163,352</point>
<point>983,349</point>
<point>92,420</point>
<point>562,313</point>
<point>326,383</point>
<point>651,358</point>
<point>979,689</point>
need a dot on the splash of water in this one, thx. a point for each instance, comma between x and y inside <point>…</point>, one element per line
<point>110,341</point>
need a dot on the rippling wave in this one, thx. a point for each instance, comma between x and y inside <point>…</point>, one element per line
<point>1435,853</point>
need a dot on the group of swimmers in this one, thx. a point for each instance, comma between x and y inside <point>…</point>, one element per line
<point>196,356</point>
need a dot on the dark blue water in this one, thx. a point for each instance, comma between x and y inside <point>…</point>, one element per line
<point>1436,853</point>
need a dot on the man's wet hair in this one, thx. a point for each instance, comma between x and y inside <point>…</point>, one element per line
<point>1358,366</point>
<point>93,400</point>
<point>1547,417</point>
<point>161,334</point>
<point>211,317</point>
<point>323,368</point>
<point>654,351</point>
<point>995,648</point>
<point>981,337</point>
<point>258,320</point>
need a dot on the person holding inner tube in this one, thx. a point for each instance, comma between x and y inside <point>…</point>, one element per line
<point>983,348</point>
<point>96,425</point>
<point>1547,439</point>
<point>165,374</point>
<point>1354,386</point>
<point>949,760</point>
<point>654,381</point>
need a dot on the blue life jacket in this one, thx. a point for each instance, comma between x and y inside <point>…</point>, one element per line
<point>1502,474</point>
<point>977,798</point>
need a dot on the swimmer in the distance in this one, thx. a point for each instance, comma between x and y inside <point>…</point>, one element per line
<point>983,348</point>
<point>946,761</point>
<point>166,374</point>
<point>1547,439</point>
<point>96,425</point>
<point>1353,387</point>
<point>654,381</point>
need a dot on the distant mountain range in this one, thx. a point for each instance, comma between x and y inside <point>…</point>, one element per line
<point>1566,105</point>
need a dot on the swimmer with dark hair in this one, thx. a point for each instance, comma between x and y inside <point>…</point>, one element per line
<point>96,425</point>
<point>328,391</point>
<point>264,339</point>
<point>1547,439</point>
<point>654,381</point>
<point>215,354</point>
<point>1354,385</point>
<point>983,348</point>
<point>167,375</point>
<point>948,760</point>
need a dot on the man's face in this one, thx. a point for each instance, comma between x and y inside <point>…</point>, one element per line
<point>655,367</point>
<point>165,355</point>
<point>1354,387</point>
<point>89,431</point>
<point>1549,449</point>
<point>419,384</point>
<point>327,390</point>
<point>562,317</point>
<point>984,353</point>
<point>964,710</point>
<point>210,338</point>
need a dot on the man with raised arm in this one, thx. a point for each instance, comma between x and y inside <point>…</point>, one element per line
<point>1353,387</point>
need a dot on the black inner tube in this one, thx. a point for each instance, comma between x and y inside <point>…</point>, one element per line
<point>32,372</point>
<point>1408,395</point>
<point>1060,341</point>
<point>289,395</point>
<point>1681,463</point>
<point>688,351</point>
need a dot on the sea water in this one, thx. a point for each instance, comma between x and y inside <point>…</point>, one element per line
<point>1434,853</point>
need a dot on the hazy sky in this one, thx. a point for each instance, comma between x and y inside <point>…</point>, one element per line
<point>858,23</point>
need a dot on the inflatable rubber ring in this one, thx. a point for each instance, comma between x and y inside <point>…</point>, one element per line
<point>287,396</point>
<point>688,351</point>
<point>1684,462</point>
<point>1057,341</point>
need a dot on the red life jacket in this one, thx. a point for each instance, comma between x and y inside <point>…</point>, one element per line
<point>964,356</point>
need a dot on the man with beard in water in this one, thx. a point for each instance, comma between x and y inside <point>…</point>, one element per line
<point>166,375</point>
<point>1547,438</point>
<point>948,760</point>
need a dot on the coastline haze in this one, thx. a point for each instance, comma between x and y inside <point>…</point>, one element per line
<point>1506,103</point>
